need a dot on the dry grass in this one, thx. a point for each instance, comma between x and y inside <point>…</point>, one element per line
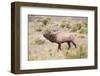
<point>42,49</point>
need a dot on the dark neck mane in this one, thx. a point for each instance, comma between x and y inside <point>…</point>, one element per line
<point>51,37</point>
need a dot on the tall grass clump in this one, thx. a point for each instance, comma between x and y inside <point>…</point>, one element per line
<point>76,54</point>
<point>83,53</point>
<point>39,41</point>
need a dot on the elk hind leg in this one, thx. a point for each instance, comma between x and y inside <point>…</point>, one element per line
<point>74,44</point>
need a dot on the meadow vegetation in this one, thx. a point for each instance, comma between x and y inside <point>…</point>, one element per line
<point>42,49</point>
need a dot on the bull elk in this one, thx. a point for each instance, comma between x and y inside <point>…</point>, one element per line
<point>60,37</point>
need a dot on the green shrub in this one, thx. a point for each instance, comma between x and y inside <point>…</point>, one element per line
<point>76,27</point>
<point>38,29</point>
<point>83,30</point>
<point>62,25</point>
<point>39,42</point>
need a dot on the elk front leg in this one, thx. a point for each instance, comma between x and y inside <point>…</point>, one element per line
<point>59,46</point>
<point>68,45</point>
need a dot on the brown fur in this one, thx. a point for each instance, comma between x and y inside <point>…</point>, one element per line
<point>60,37</point>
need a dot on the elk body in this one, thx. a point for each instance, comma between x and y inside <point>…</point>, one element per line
<point>60,37</point>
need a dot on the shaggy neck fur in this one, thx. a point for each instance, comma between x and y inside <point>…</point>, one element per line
<point>50,37</point>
